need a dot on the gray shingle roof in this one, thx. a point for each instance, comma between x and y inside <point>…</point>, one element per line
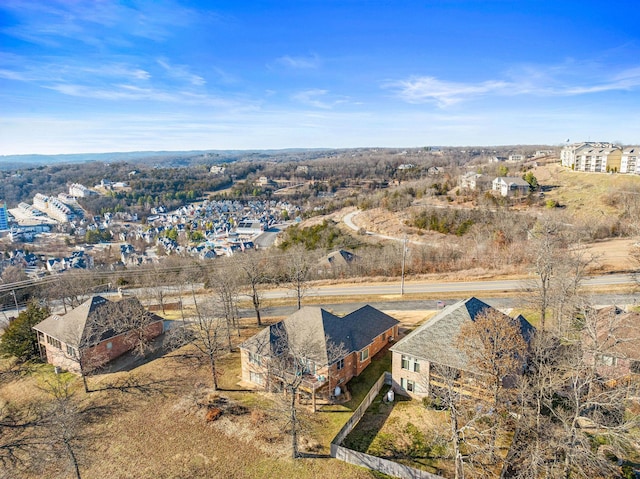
<point>435,341</point>
<point>79,327</point>
<point>312,328</point>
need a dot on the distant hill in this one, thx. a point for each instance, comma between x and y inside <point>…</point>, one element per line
<point>164,158</point>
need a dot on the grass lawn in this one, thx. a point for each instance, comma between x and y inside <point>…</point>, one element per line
<point>335,416</point>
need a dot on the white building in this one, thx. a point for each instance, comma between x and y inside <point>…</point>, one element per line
<point>53,207</point>
<point>511,186</point>
<point>629,162</point>
<point>570,153</point>
<point>80,191</point>
<point>598,159</point>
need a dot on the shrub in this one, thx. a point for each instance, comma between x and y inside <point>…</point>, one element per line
<point>20,339</point>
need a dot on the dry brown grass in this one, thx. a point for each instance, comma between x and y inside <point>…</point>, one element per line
<point>156,427</point>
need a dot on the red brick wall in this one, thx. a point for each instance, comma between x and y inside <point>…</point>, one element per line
<point>100,354</point>
<point>352,365</point>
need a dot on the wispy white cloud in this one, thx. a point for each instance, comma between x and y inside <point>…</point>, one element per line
<point>97,23</point>
<point>443,93</point>
<point>317,98</point>
<point>129,92</point>
<point>524,80</point>
<point>12,75</point>
<point>301,63</point>
<point>181,72</point>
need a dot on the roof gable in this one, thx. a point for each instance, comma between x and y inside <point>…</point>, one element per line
<point>84,326</point>
<point>435,341</point>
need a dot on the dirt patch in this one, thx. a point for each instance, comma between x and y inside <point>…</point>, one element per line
<point>612,255</point>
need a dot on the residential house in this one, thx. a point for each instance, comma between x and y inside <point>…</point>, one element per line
<point>615,345</point>
<point>515,158</point>
<point>334,349</point>
<point>475,181</point>
<point>511,186</point>
<point>629,162</point>
<point>497,159</point>
<point>542,153</point>
<point>82,336</point>
<point>337,262</point>
<point>434,343</point>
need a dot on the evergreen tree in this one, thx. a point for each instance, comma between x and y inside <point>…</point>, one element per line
<point>20,339</point>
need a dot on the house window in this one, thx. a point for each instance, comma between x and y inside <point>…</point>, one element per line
<point>109,345</point>
<point>405,362</point>
<point>635,367</point>
<point>364,354</point>
<point>384,336</point>
<point>340,364</point>
<point>256,378</point>
<point>407,385</point>
<point>255,359</point>
<point>54,342</point>
<point>416,366</point>
<point>71,351</point>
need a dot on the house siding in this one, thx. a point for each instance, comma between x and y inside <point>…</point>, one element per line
<point>352,364</point>
<point>99,354</point>
<point>420,379</point>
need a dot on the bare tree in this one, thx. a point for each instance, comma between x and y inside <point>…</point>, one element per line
<point>297,354</point>
<point>564,400</point>
<point>72,288</point>
<point>208,336</point>
<point>297,269</point>
<point>496,346</point>
<point>63,422</point>
<point>225,284</point>
<point>560,267</point>
<point>254,272</point>
<point>19,435</point>
<point>129,318</point>
<point>548,250</point>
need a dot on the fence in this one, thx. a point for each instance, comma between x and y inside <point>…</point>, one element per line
<point>365,460</point>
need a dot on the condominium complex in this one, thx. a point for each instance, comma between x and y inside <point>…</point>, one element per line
<point>52,207</point>
<point>80,191</point>
<point>600,157</point>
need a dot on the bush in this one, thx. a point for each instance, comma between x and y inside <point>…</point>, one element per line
<point>20,340</point>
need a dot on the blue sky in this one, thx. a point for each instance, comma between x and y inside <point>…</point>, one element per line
<point>96,76</point>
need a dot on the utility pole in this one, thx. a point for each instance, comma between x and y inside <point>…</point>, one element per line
<point>15,300</point>
<point>404,259</point>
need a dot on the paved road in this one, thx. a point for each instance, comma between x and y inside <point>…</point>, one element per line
<point>267,238</point>
<point>393,288</point>
<point>413,305</point>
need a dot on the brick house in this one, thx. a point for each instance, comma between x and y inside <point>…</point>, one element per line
<point>617,341</point>
<point>85,337</point>
<point>354,340</point>
<point>434,343</point>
